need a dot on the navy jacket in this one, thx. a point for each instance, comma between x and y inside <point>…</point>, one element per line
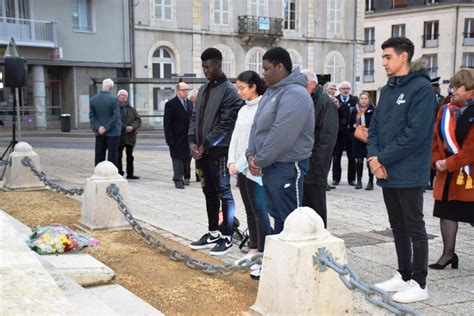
<point>401,130</point>
<point>104,111</point>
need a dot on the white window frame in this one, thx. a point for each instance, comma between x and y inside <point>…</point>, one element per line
<point>336,70</point>
<point>334,15</point>
<point>253,60</point>
<point>468,60</point>
<point>80,6</point>
<point>296,59</point>
<point>162,61</point>
<point>257,8</point>
<point>369,40</point>
<point>228,60</point>
<point>396,30</point>
<point>468,26</point>
<point>21,10</point>
<point>369,5</point>
<point>433,35</point>
<point>220,12</point>
<point>162,7</point>
<point>287,12</point>
<point>369,70</point>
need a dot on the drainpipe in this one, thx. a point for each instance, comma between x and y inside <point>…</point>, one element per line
<point>354,63</point>
<point>456,40</point>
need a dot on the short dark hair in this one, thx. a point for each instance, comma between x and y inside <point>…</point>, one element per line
<point>279,55</point>
<point>250,77</point>
<point>211,53</point>
<point>400,45</point>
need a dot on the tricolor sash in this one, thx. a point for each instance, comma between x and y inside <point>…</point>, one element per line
<point>448,127</point>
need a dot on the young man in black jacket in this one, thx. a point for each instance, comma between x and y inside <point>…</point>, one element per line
<point>209,137</point>
<point>325,135</point>
<point>399,150</point>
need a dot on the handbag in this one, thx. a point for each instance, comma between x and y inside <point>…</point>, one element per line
<point>361,133</point>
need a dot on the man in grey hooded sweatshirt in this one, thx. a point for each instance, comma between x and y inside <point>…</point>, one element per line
<point>282,135</point>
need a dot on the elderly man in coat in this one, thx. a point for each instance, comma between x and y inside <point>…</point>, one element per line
<point>131,121</point>
<point>178,112</point>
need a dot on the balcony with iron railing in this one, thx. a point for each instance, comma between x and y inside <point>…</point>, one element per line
<point>252,27</point>
<point>29,32</point>
<point>369,46</point>
<point>468,39</point>
<point>430,40</point>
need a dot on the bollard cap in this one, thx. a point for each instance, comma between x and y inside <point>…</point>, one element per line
<point>23,147</point>
<point>106,170</point>
<point>303,224</point>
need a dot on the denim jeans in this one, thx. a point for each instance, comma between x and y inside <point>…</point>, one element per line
<point>258,222</point>
<point>215,181</point>
<point>281,181</point>
<point>405,213</point>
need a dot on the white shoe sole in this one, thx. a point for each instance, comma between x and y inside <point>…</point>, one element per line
<point>197,247</point>
<point>221,253</point>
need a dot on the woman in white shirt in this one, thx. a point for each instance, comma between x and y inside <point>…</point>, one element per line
<point>250,88</point>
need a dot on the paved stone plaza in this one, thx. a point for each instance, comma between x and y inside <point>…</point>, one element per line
<point>357,216</point>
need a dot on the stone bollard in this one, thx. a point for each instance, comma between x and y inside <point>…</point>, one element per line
<point>290,284</point>
<point>19,177</point>
<point>98,210</point>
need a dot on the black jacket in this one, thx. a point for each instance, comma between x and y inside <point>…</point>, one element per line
<point>368,116</point>
<point>129,117</point>
<point>214,127</point>
<point>176,124</point>
<point>401,130</point>
<point>325,135</point>
<point>345,109</point>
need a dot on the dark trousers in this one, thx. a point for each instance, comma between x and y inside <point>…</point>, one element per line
<point>343,143</point>
<point>405,213</point>
<point>129,153</point>
<point>215,182</point>
<point>181,169</point>
<point>109,145</point>
<point>281,182</point>
<point>315,197</point>
<point>253,196</point>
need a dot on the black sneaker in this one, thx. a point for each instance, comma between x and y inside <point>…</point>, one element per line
<point>222,247</point>
<point>206,241</point>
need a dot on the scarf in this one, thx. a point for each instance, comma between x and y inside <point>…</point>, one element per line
<point>448,126</point>
<point>360,118</point>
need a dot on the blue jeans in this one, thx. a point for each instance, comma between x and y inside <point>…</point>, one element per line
<point>215,181</point>
<point>281,181</point>
<point>253,196</point>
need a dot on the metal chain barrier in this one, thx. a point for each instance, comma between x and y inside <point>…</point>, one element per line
<point>324,259</point>
<point>27,162</point>
<point>225,269</point>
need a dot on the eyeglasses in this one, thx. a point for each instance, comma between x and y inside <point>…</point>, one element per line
<point>183,89</point>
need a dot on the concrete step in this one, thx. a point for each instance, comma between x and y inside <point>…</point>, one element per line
<point>122,301</point>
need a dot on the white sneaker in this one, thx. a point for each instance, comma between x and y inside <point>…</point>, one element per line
<point>412,294</point>
<point>248,256</point>
<point>255,273</point>
<point>395,284</point>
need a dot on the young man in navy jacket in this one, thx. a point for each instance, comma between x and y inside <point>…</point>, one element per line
<point>399,151</point>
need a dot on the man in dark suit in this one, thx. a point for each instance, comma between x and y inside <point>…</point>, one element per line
<point>104,116</point>
<point>347,103</point>
<point>178,112</point>
<point>325,135</point>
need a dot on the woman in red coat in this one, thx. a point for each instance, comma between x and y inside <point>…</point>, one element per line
<point>453,158</point>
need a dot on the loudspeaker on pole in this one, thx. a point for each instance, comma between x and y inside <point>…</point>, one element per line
<point>15,71</point>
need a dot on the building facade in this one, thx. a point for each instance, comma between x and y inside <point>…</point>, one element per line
<point>65,43</point>
<point>170,35</point>
<point>442,31</point>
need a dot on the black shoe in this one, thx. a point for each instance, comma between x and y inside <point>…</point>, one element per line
<point>429,187</point>
<point>179,185</point>
<point>335,182</point>
<point>358,186</point>
<point>222,247</point>
<point>351,183</point>
<point>206,241</point>
<point>454,262</point>
<point>186,181</point>
<point>121,173</point>
<point>370,186</point>
<point>132,177</point>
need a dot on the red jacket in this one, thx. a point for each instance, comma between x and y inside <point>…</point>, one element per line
<point>454,163</point>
